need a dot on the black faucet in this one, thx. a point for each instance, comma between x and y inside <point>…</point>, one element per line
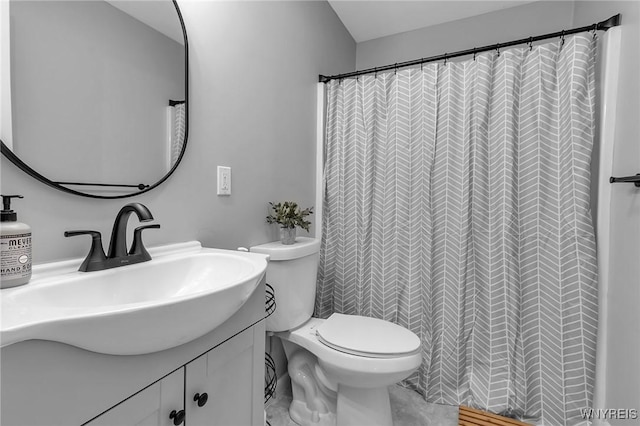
<point>96,260</point>
<point>118,244</point>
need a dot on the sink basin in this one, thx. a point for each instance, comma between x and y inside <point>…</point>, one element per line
<point>184,292</point>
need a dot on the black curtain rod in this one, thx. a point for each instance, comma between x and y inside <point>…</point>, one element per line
<point>174,103</point>
<point>614,21</point>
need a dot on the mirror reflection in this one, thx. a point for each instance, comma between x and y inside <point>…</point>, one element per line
<point>98,91</point>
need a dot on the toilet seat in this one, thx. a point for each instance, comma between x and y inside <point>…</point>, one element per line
<point>362,370</point>
<point>367,337</point>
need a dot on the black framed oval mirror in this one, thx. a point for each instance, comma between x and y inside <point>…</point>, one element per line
<point>99,94</point>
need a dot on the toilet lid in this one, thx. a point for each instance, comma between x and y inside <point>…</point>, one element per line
<point>369,337</point>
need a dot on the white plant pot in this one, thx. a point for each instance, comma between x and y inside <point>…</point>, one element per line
<point>287,235</point>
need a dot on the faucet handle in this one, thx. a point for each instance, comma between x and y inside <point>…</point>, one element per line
<point>96,254</point>
<point>137,247</point>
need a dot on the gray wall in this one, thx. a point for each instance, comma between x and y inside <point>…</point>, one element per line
<point>623,366</point>
<point>495,27</point>
<point>253,73</point>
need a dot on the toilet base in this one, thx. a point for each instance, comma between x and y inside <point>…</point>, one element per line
<point>331,387</point>
<point>357,407</point>
<point>313,403</point>
<point>301,414</point>
<point>316,402</point>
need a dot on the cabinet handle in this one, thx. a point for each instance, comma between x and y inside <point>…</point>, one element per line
<point>201,399</point>
<point>177,416</point>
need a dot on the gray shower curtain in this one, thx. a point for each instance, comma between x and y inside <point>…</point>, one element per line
<point>178,132</point>
<point>457,205</point>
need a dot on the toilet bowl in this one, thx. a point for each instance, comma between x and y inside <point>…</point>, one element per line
<point>340,367</point>
<point>352,387</point>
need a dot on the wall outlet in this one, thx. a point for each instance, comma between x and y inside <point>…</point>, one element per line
<point>224,180</point>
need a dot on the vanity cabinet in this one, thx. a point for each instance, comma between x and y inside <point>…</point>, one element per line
<point>218,390</point>
<point>49,383</point>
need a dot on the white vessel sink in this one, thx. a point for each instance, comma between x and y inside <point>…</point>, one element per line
<point>184,292</point>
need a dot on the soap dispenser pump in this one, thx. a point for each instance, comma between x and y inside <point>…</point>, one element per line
<point>15,245</point>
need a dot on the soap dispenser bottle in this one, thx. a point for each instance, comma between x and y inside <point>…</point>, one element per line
<point>15,242</point>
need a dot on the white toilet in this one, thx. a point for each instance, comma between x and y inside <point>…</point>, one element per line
<point>339,367</point>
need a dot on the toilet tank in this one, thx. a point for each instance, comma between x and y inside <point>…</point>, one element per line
<point>291,271</point>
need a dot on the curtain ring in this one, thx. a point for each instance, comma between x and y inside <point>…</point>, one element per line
<point>375,72</point>
<point>395,69</point>
<point>445,59</point>
<point>474,53</point>
<point>562,38</point>
<point>595,28</point>
<point>422,64</point>
<point>498,49</point>
<point>530,44</point>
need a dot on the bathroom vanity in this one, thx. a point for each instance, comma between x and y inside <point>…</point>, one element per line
<point>213,380</point>
<point>174,337</point>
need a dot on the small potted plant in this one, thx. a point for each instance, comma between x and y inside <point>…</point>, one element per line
<point>289,216</point>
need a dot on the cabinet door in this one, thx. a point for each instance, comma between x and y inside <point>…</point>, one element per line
<point>149,407</point>
<point>232,376</point>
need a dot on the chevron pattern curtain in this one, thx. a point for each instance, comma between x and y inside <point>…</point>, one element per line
<point>457,205</point>
<point>178,130</point>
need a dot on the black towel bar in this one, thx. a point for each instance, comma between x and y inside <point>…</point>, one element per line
<point>628,179</point>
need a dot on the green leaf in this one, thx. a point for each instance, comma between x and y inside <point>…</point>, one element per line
<point>288,215</point>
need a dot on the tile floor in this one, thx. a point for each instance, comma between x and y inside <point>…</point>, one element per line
<point>407,409</point>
